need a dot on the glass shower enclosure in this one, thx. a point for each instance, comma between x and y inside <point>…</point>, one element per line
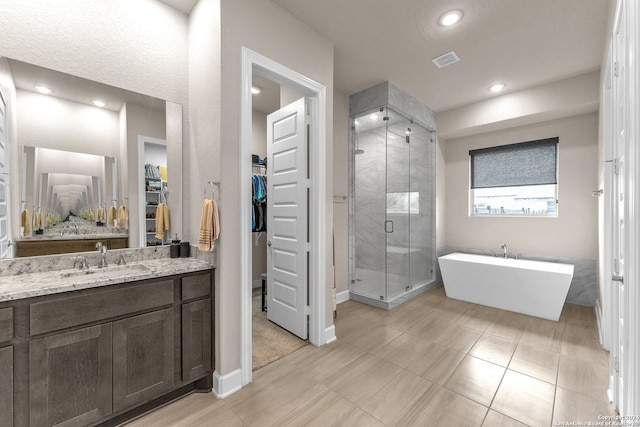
<point>392,209</point>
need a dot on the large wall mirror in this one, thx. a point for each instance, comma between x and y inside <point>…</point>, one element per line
<point>79,160</point>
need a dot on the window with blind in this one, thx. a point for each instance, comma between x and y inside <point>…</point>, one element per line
<point>515,180</point>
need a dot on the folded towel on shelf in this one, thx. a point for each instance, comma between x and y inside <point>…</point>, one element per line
<point>123,217</point>
<point>25,221</point>
<point>162,220</point>
<point>113,216</point>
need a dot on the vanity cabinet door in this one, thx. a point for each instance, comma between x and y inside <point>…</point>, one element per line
<point>70,377</point>
<point>6,390</point>
<point>143,358</point>
<point>196,339</point>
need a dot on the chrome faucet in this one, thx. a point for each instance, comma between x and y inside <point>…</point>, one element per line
<point>504,250</point>
<point>102,249</point>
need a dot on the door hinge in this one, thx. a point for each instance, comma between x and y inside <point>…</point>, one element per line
<point>308,120</point>
<point>307,246</point>
<point>614,164</point>
<point>616,266</point>
<point>307,310</point>
<point>615,363</point>
<point>616,69</point>
<point>308,182</point>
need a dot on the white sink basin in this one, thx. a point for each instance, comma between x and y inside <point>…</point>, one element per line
<point>111,272</point>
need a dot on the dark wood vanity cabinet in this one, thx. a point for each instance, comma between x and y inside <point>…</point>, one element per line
<point>6,367</point>
<point>95,354</point>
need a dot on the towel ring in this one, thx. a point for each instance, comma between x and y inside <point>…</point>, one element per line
<point>213,184</point>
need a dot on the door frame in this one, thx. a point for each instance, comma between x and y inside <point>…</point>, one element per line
<point>253,62</point>
<point>629,400</point>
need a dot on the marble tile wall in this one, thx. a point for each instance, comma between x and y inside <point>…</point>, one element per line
<point>387,93</point>
<point>584,286</point>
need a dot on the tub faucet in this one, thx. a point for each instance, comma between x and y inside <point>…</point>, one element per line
<point>504,250</point>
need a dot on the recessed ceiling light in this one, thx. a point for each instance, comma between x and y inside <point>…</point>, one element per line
<point>255,90</point>
<point>497,87</point>
<point>98,102</point>
<point>43,89</point>
<point>450,18</point>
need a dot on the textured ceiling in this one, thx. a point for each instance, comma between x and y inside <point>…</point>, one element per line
<point>521,43</point>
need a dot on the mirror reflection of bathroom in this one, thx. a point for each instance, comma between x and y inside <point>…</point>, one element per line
<point>81,161</point>
<point>68,188</point>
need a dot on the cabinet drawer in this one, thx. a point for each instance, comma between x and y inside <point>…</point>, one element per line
<point>68,311</point>
<point>196,286</point>
<point>6,324</point>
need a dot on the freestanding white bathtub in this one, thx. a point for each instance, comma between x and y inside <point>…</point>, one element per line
<point>529,287</point>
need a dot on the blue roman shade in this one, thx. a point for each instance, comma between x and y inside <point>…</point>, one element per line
<point>524,163</point>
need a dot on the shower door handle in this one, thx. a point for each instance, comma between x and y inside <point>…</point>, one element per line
<point>388,226</point>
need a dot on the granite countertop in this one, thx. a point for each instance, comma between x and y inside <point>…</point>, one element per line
<point>33,282</point>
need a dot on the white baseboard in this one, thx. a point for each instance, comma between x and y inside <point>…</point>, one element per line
<point>226,385</point>
<point>329,334</point>
<point>342,297</point>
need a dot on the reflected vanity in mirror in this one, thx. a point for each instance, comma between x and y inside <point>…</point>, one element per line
<point>69,202</point>
<point>79,157</point>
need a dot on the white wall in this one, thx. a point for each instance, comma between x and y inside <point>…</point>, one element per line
<point>572,234</point>
<point>267,29</point>
<point>341,188</point>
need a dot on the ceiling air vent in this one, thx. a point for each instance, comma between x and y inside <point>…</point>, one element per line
<point>446,59</point>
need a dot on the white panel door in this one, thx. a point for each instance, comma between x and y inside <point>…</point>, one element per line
<point>5,225</point>
<point>287,218</point>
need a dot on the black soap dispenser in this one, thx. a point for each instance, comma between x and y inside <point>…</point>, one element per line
<point>174,248</point>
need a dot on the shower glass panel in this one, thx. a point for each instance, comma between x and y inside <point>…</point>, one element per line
<point>392,206</point>
<point>369,161</point>
<point>398,198</point>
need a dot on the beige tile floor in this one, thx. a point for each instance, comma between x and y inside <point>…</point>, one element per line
<point>432,361</point>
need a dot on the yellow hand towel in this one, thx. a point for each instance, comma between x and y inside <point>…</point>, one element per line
<point>162,220</point>
<point>113,215</point>
<point>123,217</point>
<point>25,221</point>
<point>206,223</point>
<point>37,221</point>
